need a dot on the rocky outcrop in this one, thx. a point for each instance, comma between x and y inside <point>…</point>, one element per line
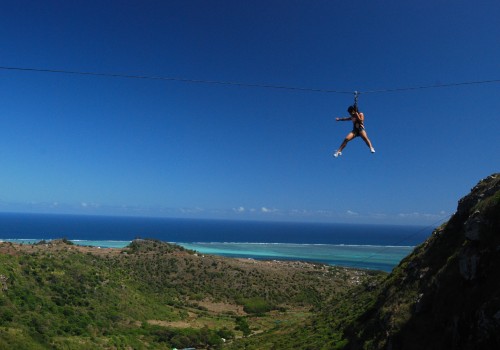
<point>3,283</point>
<point>446,294</point>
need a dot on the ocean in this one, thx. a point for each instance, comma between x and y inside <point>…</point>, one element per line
<point>379,247</point>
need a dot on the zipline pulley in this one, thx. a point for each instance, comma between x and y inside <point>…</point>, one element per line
<point>356,95</point>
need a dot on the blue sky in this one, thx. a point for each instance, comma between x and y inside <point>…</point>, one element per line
<point>116,146</point>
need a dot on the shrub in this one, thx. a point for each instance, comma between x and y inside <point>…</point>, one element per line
<point>256,305</point>
<point>242,325</point>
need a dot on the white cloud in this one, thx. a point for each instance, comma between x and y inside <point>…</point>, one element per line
<point>191,210</point>
<point>378,216</point>
<point>89,205</point>
<point>239,209</point>
<point>299,212</point>
<point>417,215</point>
<point>408,215</point>
<point>350,212</point>
<point>268,210</point>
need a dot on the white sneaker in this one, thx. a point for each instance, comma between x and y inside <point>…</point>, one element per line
<point>337,153</point>
<point>372,150</point>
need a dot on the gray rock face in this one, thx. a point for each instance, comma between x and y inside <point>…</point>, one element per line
<point>468,264</point>
<point>473,226</point>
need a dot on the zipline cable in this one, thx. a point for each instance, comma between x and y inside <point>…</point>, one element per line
<point>242,84</point>
<point>184,80</point>
<point>432,86</point>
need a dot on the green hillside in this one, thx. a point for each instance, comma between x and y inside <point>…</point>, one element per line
<point>152,295</point>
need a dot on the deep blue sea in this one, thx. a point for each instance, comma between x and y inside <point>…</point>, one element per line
<point>378,247</point>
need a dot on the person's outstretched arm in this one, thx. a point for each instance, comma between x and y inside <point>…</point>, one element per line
<point>343,119</point>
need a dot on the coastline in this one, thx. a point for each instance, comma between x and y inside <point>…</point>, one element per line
<point>372,257</point>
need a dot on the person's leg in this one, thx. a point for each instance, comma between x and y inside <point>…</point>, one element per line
<point>365,138</point>
<point>348,138</point>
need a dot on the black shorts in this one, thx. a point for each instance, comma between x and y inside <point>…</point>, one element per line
<point>356,131</point>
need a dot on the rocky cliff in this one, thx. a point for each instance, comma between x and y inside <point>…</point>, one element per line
<point>446,294</point>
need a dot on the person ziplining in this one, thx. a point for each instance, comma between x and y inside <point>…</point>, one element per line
<point>358,121</point>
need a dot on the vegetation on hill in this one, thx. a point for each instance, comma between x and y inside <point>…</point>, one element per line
<point>151,295</point>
